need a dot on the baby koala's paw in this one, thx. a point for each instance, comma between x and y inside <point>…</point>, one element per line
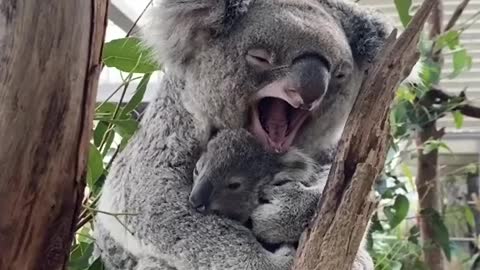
<point>282,258</point>
<point>285,250</point>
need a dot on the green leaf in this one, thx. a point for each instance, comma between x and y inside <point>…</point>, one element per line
<point>125,128</point>
<point>469,217</point>
<point>95,166</point>
<point>407,172</point>
<point>106,108</point>
<point>99,132</point>
<point>108,142</point>
<point>458,118</point>
<point>97,265</point>
<point>404,93</point>
<point>138,96</point>
<point>440,233</point>
<point>432,145</point>
<point>462,61</point>
<point>450,39</point>
<point>398,212</point>
<point>128,55</point>
<point>403,9</point>
<point>80,256</point>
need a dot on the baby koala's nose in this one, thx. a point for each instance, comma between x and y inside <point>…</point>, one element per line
<point>197,203</point>
<point>200,196</point>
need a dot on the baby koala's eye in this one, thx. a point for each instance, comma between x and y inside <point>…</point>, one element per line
<point>195,171</point>
<point>233,186</point>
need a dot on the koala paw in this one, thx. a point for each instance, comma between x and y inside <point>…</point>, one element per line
<point>283,257</point>
<point>363,261</point>
<point>285,250</point>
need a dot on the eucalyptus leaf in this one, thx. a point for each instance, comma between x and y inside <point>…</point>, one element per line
<point>398,211</point>
<point>403,9</point>
<point>138,96</point>
<point>450,39</point>
<point>80,255</point>
<point>458,118</point>
<point>469,217</point>
<point>99,132</point>
<point>125,128</point>
<point>95,166</point>
<point>462,61</point>
<point>128,55</point>
<point>97,265</point>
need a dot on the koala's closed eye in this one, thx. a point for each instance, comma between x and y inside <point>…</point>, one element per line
<point>281,182</point>
<point>259,58</point>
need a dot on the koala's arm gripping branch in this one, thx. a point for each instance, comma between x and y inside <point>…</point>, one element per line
<point>333,239</point>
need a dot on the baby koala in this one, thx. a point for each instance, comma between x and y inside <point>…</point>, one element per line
<point>230,174</point>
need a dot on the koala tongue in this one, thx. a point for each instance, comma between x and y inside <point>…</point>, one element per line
<point>276,122</point>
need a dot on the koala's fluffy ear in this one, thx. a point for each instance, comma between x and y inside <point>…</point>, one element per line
<point>365,28</point>
<point>179,27</point>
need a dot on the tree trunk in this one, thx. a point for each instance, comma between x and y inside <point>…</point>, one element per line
<point>428,189</point>
<point>427,182</point>
<point>50,54</point>
<point>333,239</point>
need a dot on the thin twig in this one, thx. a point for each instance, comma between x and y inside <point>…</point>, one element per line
<point>465,109</point>
<point>456,15</point>
<point>138,18</point>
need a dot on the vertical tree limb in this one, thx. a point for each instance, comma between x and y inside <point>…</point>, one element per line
<point>49,58</point>
<point>333,239</point>
<point>427,182</point>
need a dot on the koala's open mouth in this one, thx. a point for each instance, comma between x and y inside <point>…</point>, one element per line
<point>277,121</point>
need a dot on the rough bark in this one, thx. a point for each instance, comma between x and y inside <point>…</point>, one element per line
<point>49,69</point>
<point>332,240</point>
<point>428,189</point>
<point>427,182</point>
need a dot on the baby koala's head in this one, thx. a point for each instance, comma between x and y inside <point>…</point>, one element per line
<point>231,172</point>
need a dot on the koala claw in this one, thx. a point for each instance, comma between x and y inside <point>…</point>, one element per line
<point>285,250</point>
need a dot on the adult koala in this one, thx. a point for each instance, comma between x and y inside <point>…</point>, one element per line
<point>288,70</point>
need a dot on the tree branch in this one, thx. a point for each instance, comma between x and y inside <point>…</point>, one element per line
<point>465,109</point>
<point>49,68</point>
<point>333,239</point>
<point>456,15</point>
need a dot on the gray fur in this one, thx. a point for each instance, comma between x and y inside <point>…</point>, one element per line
<point>231,175</point>
<point>208,85</point>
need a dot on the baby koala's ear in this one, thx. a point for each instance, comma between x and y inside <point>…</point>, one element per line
<point>294,159</point>
<point>297,166</point>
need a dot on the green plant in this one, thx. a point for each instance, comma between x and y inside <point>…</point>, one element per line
<point>395,236</point>
<point>114,125</point>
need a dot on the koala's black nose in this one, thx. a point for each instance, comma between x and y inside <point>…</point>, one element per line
<point>200,196</point>
<point>312,75</point>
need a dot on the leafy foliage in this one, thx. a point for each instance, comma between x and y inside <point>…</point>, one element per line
<point>395,236</point>
<point>114,124</point>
